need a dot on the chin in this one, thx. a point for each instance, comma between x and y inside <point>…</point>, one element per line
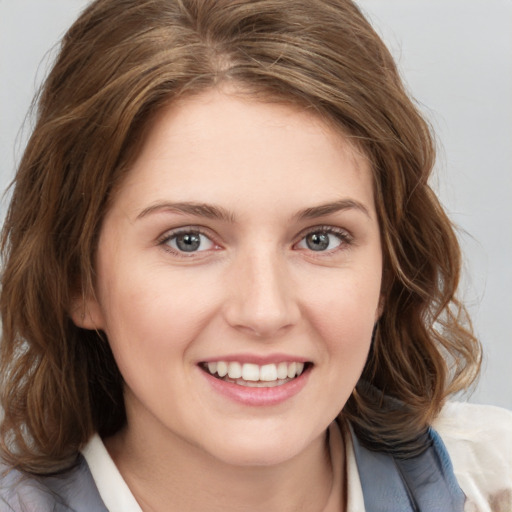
<point>259,449</point>
<point>256,457</point>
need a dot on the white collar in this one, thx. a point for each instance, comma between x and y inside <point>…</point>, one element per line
<point>117,496</point>
<point>113,490</point>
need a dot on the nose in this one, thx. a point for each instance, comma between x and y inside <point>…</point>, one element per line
<point>261,297</point>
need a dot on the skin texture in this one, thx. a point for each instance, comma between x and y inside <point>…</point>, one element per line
<point>253,289</point>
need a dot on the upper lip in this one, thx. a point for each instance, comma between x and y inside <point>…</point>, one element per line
<point>258,359</point>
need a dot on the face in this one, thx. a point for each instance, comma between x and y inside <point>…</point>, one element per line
<point>238,278</point>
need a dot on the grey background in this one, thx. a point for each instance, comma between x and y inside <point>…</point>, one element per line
<point>456,58</point>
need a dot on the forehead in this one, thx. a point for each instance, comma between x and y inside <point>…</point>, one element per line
<point>223,146</point>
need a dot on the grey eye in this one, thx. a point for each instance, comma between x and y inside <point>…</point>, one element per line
<point>318,241</point>
<point>321,241</point>
<point>190,241</point>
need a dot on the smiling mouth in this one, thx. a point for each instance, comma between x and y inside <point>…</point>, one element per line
<point>254,375</point>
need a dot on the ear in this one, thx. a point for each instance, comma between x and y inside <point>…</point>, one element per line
<point>86,312</point>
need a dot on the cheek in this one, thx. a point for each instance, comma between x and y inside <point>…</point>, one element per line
<point>344,312</point>
<point>346,329</point>
<point>153,312</point>
<point>342,316</point>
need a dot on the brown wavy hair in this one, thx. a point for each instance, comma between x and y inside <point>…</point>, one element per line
<point>118,65</point>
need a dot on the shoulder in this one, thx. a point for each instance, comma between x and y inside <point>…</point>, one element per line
<point>23,493</point>
<point>70,491</point>
<point>479,441</point>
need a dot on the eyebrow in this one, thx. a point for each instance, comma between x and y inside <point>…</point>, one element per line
<point>198,209</point>
<point>210,211</point>
<point>329,208</point>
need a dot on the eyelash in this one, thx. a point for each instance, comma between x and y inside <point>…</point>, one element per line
<point>346,239</point>
<point>170,235</point>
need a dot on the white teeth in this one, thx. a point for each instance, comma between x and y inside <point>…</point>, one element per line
<point>234,370</point>
<point>282,370</point>
<point>251,372</point>
<point>267,374</point>
<point>222,368</point>
<point>292,370</point>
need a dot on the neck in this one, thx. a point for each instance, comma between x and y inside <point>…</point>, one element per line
<point>169,474</point>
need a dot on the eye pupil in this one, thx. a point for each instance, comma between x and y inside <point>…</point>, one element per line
<point>188,242</point>
<point>317,241</point>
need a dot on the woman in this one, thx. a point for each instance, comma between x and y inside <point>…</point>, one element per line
<point>227,283</point>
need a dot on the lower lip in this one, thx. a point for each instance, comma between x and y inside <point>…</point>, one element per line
<point>258,396</point>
